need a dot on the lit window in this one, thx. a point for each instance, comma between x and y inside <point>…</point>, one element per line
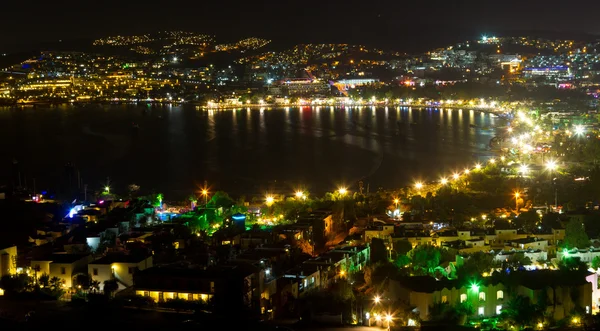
<point>444,299</point>
<point>463,298</point>
<point>480,311</point>
<point>500,295</point>
<point>498,309</point>
<point>587,309</point>
<point>481,296</point>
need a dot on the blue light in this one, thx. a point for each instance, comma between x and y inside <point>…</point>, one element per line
<point>239,217</point>
<point>72,212</point>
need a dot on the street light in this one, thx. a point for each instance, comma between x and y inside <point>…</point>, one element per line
<point>418,185</point>
<point>456,176</point>
<point>551,165</point>
<point>467,171</point>
<point>300,195</point>
<point>107,189</point>
<point>388,318</point>
<point>342,191</point>
<point>377,299</point>
<point>523,169</point>
<point>444,181</point>
<point>205,194</point>
<point>517,195</point>
<point>269,200</point>
<point>478,166</point>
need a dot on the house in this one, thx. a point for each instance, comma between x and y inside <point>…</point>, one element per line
<point>380,232</point>
<point>585,255</point>
<point>529,243</point>
<point>197,284</point>
<point>8,260</point>
<point>564,292</point>
<point>64,266</point>
<point>120,267</point>
<point>307,277</point>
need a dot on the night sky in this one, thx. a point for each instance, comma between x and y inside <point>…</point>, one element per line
<point>395,24</point>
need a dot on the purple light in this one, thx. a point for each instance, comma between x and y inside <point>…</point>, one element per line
<point>101,201</point>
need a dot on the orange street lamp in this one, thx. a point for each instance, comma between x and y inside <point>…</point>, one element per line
<point>205,194</point>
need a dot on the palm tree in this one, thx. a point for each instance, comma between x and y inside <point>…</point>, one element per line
<point>95,286</point>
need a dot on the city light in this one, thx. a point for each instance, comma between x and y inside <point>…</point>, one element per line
<point>524,169</point>
<point>377,299</point>
<point>478,166</point>
<point>492,161</point>
<point>418,185</point>
<point>300,195</point>
<point>579,130</point>
<point>342,191</point>
<point>456,176</point>
<point>551,165</point>
<point>444,181</point>
<point>467,171</point>
<point>269,200</point>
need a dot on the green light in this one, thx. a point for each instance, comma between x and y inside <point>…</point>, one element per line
<point>475,287</point>
<point>566,252</point>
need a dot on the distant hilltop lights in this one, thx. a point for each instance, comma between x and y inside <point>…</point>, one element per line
<point>488,40</point>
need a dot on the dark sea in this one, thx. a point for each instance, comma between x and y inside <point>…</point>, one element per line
<point>174,149</point>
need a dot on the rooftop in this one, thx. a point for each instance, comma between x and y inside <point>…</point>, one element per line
<point>119,258</point>
<point>64,258</point>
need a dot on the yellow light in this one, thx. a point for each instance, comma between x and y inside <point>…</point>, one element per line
<point>299,194</point>
<point>342,190</point>
<point>396,201</point>
<point>551,165</point>
<point>204,192</point>
<point>455,176</point>
<point>377,299</point>
<point>418,185</point>
<point>388,318</point>
<point>492,161</point>
<point>540,325</point>
<point>269,199</point>
<point>377,318</point>
<point>467,171</point>
<point>444,181</point>
<point>517,194</point>
<point>575,320</point>
<point>342,273</point>
<point>478,166</point>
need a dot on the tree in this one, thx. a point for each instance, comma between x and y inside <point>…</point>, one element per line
<point>95,286</point>
<point>527,220</point>
<point>596,262</point>
<point>518,260</point>
<point>425,259</point>
<point>378,251</point>
<point>221,200</point>
<point>575,236</point>
<point>402,247</point>
<point>476,264</point>
<point>521,312</point>
<point>44,280</point>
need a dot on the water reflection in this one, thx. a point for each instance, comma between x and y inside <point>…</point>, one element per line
<point>246,150</point>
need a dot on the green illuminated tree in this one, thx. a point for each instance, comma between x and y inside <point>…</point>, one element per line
<point>575,236</point>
